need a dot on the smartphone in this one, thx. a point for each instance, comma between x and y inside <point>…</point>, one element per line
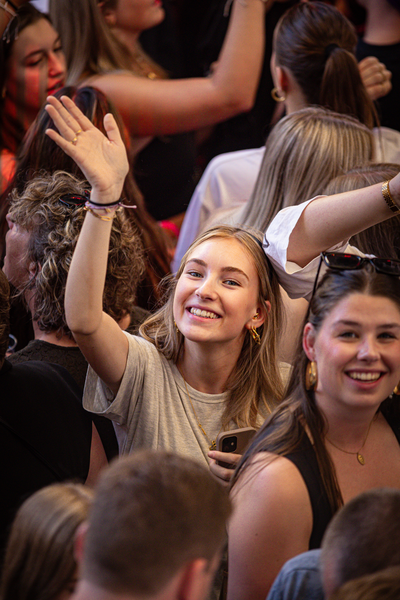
<point>235,441</point>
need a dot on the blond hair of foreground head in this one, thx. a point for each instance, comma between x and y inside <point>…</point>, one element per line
<point>39,560</point>
<point>303,153</point>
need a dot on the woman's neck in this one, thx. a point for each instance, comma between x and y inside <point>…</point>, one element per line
<point>295,99</point>
<point>128,38</point>
<point>207,369</point>
<point>348,428</point>
<point>382,26</point>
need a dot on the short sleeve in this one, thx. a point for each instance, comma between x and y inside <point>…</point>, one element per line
<point>297,281</point>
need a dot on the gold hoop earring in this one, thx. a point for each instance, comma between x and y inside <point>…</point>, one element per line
<point>275,95</point>
<point>255,335</point>
<point>396,390</point>
<point>176,327</point>
<point>311,376</point>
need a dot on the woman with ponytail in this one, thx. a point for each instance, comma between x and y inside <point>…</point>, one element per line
<point>313,64</point>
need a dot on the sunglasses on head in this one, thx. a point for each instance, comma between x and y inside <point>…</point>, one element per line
<point>74,200</point>
<point>340,261</point>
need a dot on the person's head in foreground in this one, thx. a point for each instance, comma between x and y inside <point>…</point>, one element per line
<point>362,538</point>
<point>156,530</point>
<point>382,585</point>
<point>39,561</point>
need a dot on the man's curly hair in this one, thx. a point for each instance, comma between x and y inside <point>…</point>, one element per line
<point>53,233</point>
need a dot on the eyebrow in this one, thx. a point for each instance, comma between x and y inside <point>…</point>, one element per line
<point>32,54</point>
<point>41,51</point>
<point>200,262</point>
<point>349,323</point>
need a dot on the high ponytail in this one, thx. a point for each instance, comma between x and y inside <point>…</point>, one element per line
<point>316,43</point>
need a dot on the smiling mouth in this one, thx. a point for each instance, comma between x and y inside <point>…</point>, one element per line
<point>364,376</point>
<point>203,313</point>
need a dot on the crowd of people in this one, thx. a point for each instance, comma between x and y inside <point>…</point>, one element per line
<point>156,311</point>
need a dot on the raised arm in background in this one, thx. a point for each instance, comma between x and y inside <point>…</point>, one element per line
<point>328,220</point>
<point>159,106</point>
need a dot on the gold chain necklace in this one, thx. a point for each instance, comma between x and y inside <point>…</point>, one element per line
<point>212,443</point>
<point>360,457</point>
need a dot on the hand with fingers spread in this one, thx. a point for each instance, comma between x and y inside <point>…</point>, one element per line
<point>103,160</point>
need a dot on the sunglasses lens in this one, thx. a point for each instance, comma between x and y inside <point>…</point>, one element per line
<point>386,265</point>
<point>72,200</point>
<point>337,260</point>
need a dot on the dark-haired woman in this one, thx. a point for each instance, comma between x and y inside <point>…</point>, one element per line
<point>33,66</point>
<point>337,433</point>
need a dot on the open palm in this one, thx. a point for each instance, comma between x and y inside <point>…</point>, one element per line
<point>103,160</point>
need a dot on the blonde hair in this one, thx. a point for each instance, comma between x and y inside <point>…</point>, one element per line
<point>255,386</point>
<point>303,152</point>
<point>79,22</point>
<point>39,560</point>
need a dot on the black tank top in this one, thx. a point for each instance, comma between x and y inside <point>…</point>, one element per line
<point>305,460</point>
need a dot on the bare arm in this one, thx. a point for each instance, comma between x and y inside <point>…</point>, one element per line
<point>151,107</point>
<point>271,522</point>
<point>104,162</point>
<point>98,458</point>
<point>329,220</point>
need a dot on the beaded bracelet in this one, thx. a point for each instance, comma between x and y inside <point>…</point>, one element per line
<point>110,209</point>
<point>117,204</point>
<point>108,217</point>
<point>387,196</point>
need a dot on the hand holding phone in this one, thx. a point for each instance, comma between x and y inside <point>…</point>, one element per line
<point>218,460</point>
<point>234,442</point>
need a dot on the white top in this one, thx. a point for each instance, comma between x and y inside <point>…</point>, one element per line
<point>387,145</point>
<point>229,180</point>
<point>297,281</point>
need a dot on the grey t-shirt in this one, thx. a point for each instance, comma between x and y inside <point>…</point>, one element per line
<point>152,408</point>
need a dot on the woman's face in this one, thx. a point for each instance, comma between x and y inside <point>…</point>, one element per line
<point>216,297</point>
<point>357,351</point>
<point>138,15</point>
<point>36,67</point>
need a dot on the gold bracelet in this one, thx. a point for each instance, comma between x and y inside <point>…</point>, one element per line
<point>388,198</point>
<point>108,218</point>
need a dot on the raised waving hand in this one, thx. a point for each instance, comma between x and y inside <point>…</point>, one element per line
<point>102,159</point>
